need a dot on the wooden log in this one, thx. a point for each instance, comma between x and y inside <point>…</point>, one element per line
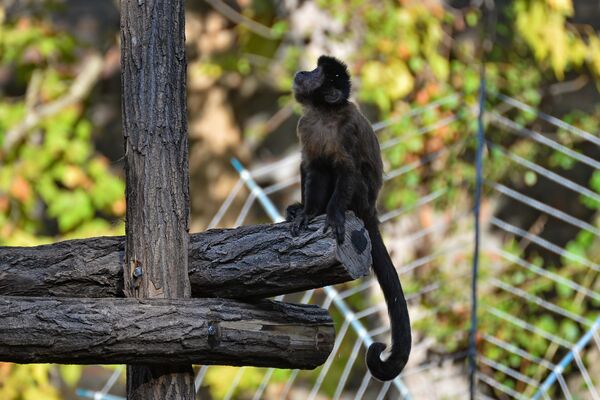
<point>249,261</point>
<point>159,331</point>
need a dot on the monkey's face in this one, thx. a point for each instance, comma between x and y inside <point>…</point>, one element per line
<point>328,84</point>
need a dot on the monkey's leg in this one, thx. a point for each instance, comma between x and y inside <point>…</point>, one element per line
<point>339,202</point>
<point>316,193</point>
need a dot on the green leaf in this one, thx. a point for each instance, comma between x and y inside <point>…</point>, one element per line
<point>569,330</point>
<point>563,290</point>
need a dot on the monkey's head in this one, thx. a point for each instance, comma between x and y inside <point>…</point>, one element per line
<point>326,85</point>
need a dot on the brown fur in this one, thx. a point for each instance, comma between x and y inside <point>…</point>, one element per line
<point>319,133</point>
<point>342,170</point>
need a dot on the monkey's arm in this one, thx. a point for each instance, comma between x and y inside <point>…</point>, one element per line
<point>294,211</point>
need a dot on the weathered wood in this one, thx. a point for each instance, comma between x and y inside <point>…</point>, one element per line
<point>153,75</point>
<point>159,331</point>
<point>258,260</point>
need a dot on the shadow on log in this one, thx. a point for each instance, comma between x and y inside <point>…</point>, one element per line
<point>158,331</point>
<point>249,261</point>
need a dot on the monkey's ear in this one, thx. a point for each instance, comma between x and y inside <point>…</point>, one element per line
<point>333,96</point>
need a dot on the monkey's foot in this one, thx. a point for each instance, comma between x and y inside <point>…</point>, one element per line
<point>293,211</point>
<point>336,221</point>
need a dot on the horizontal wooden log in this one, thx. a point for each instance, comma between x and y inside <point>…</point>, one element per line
<point>249,261</point>
<point>157,331</point>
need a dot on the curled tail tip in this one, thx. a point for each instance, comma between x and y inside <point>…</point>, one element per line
<point>384,370</point>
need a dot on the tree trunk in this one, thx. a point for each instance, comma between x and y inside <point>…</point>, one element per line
<point>249,261</point>
<point>164,331</point>
<point>153,73</point>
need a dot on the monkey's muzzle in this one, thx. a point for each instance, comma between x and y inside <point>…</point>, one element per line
<point>308,81</point>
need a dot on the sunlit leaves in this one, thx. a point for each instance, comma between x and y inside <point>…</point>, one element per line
<point>594,54</point>
<point>393,80</point>
<point>53,176</point>
<point>543,26</point>
<point>563,6</point>
<point>27,382</point>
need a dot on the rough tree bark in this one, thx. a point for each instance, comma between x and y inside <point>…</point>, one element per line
<point>250,261</point>
<point>184,331</point>
<point>153,73</point>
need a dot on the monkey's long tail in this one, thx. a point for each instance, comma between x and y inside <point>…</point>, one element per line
<point>397,311</point>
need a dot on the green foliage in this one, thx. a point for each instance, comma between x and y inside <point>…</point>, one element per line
<point>52,176</point>
<point>407,54</point>
<point>542,24</point>
<point>53,183</point>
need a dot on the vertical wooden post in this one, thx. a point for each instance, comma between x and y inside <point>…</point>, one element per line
<point>153,74</point>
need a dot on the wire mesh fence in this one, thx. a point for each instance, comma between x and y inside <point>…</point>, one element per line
<point>539,330</point>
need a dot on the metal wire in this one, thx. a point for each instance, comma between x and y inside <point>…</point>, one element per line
<point>548,118</point>
<point>351,379</point>
<point>338,299</point>
<point>556,213</point>
<point>560,367</point>
<point>544,243</point>
<point>538,137</point>
<point>477,231</point>
<point>546,173</point>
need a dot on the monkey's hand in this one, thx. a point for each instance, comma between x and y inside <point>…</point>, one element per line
<point>292,211</point>
<point>336,220</point>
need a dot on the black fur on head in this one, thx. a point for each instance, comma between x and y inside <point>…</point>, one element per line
<point>327,85</point>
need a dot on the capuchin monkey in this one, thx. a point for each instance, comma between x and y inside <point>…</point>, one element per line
<point>342,170</point>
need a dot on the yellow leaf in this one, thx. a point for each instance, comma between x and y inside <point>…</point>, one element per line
<point>70,374</point>
<point>594,54</point>
<point>564,6</point>
<point>394,77</point>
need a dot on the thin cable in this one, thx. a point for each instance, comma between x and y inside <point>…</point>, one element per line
<point>539,301</point>
<point>546,173</point>
<point>225,206</point>
<point>472,354</point>
<point>529,327</point>
<point>503,388</point>
<point>549,118</point>
<point>509,371</point>
<point>551,211</point>
<point>545,273</point>
<point>505,226</point>
<point>538,137</point>
<point>256,190</point>
<point>112,380</point>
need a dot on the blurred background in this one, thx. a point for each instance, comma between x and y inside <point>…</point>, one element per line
<point>416,75</point>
